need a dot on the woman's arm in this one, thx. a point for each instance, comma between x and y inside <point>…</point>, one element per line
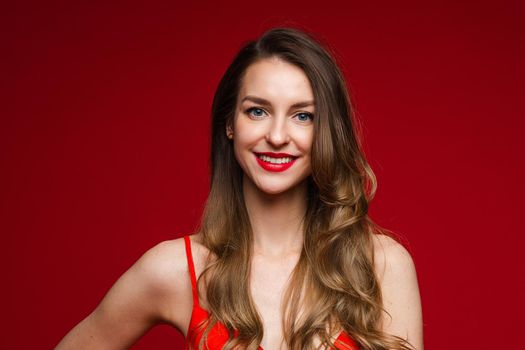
<point>143,296</point>
<point>397,277</point>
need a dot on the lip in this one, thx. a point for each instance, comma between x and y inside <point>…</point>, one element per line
<point>276,155</point>
<point>275,167</point>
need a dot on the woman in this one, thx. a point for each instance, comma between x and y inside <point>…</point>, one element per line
<point>285,256</point>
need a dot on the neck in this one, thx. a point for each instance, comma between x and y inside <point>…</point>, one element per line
<point>276,219</point>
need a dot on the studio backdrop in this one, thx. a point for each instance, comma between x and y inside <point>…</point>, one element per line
<point>105,136</point>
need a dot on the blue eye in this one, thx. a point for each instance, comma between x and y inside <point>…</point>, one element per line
<point>256,112</point>
<point>304,116</point>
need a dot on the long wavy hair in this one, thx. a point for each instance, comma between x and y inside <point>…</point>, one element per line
<point>333,285</point>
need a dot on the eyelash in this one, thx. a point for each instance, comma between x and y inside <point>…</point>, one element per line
<point>249,110</point>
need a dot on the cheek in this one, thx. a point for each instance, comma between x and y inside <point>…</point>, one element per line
<point>305,141</point>
<point>243,142</point>
<point>247,134</point>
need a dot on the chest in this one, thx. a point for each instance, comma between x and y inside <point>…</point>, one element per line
<point>268,282</point>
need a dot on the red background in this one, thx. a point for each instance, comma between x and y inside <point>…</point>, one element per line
<point>104,147</point>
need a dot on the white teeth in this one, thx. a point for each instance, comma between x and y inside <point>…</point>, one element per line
<point>275,160</point>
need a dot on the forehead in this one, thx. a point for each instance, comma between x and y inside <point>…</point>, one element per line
<point>276,80</point>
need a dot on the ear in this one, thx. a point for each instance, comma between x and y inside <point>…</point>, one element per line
<point>229,132</point>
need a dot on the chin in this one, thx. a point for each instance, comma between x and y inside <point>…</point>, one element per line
<point>277,189</point>
<point>273,192</point>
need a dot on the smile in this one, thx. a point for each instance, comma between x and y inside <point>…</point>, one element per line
<point>275,160</point>
<point>275,164</point>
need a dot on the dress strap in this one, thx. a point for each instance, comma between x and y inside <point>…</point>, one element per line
<point>191,269</point>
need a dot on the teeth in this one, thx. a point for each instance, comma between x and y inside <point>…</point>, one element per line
<point>275,160</point>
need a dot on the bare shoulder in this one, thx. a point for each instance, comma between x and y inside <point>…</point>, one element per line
<point>167,261</point>
<point>199,251</point>
<point>164,267</point>
<point>397,277</point>
<point>155,289</point>
<point>163,264</point>
<point>166,264</point>
<point>391,257</point>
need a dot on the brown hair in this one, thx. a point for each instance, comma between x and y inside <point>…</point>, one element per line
<point>334,283</point>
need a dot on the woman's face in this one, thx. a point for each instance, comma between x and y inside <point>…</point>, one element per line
<point>273,125</point>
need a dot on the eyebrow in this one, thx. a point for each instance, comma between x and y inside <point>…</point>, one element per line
<point>264,102</point>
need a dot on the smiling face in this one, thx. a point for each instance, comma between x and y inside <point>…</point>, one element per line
<point>273,125</point>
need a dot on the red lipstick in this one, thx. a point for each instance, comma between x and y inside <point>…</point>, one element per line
<point>272,166</point>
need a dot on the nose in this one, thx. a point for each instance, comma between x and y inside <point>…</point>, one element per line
<point>278,134</point>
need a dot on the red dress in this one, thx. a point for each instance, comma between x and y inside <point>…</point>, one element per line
<point>218,335</point>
